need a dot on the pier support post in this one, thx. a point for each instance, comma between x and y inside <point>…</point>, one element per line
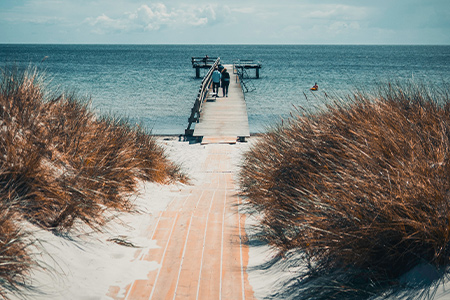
<point>197,72</point>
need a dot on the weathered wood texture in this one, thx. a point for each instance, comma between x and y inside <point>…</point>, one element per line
<point>201,98</point>
<point>200,249</point>
<point>224,116</point>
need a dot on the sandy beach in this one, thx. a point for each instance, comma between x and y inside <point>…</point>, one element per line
<point>109,265</point>
<point>119,262</point>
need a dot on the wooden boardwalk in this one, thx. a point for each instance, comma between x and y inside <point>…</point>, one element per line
<point>201,238</point>
<point>224,120</point>
<point>201,241</point>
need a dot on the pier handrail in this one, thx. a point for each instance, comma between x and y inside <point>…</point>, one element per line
<point>201,96</point>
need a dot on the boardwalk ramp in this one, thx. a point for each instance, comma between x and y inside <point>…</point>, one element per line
<point>224,119</point>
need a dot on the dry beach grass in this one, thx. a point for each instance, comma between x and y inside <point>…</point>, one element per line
<point>359,189</point>
<point>358,192</point>
<point>61,165</point>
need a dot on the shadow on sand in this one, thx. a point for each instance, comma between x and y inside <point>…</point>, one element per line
<point>292,276</point>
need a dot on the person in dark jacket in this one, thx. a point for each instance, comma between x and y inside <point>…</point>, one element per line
<point>225,82</point>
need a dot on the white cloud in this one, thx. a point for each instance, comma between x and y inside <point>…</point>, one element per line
<point>151,18</point>
<point>343,12</point>
<point>154,16</point>
<point>199,16</point>
<point>199,22</point>
<point>104,24</point>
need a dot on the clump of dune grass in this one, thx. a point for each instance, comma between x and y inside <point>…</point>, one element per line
<point>65,163</point>
<point>361,188</point>
<point>61,165</point>
<point>15,261</point>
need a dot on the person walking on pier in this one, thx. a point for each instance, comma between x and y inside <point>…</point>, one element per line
<point>216,81</point>
<point>225,82</point>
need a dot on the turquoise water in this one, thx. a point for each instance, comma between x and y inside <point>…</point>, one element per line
<point>155,85</point>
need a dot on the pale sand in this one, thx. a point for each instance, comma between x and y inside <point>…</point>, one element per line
<point>89,266</point>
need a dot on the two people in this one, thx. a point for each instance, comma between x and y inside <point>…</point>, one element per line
<point>217,77</point>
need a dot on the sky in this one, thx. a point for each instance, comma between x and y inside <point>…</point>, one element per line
<point>225,22</point>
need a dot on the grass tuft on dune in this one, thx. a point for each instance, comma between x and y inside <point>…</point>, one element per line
<point>360,188</point>
<point>61,165</point>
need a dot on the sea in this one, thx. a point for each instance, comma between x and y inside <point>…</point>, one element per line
<point>155,85</point>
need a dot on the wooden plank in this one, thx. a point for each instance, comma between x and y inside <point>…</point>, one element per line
<point>224,118</point>
<point>219,140</point>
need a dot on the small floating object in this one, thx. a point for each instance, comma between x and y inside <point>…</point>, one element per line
<point>315,87</point>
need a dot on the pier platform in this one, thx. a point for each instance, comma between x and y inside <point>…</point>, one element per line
<point>205,62</point>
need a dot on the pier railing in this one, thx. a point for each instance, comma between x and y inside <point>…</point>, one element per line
<point>203,61</point>
<point>240,69</point>
<point>201,97</point>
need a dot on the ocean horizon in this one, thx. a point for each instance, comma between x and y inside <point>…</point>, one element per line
<point>155,85</point>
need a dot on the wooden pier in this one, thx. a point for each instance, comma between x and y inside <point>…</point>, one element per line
<point>219,119</point>
<point>202,63</point>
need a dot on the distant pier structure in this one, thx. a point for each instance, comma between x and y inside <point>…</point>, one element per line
<point>239,66</point>
<point>204,62</point>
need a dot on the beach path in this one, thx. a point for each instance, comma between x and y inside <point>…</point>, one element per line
<point>201,251</point>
